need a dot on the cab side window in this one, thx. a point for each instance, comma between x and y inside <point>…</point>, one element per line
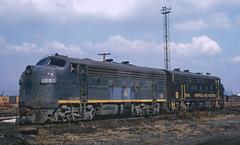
<point>73,68</point>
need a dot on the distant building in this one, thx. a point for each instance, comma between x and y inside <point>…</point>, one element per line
<point>4,100</point>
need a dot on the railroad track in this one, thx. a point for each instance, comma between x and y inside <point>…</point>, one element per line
<point>5,114</point>
<point>8,116</point>
<point>20,133</point>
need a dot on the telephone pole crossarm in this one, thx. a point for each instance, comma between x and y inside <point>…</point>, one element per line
<point>104,55</point>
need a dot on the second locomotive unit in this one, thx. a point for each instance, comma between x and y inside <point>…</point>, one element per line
<point>60,88</point>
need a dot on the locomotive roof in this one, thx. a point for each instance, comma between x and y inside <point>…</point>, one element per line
<point>195,75</point>
<point>130,67</point>
<point>113,65</point>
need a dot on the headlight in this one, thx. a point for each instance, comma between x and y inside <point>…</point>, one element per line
<point>28,70</point>
<point>48,80</point>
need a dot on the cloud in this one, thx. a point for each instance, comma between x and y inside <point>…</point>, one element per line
<point>115,43</point>
<point>191,25</point>
<point>64,9</point>
<point>216,21</point>
<point>120,44</point>
<point>235,60</point>
<point>237,20</point>
<point>205,45</point>
<point>198,45</point>
<point>2,40</point>
<point>204,5</point>
<point>25,47</point>
<point>71,49</point>
<point>43,48</point>
<point>202,45</point>
<point>138,52</point>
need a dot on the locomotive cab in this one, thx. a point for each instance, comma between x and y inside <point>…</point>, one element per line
<point>44,85</point>
<point>38,87</point>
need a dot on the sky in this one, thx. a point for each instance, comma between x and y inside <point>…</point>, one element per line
<point>204,35</point>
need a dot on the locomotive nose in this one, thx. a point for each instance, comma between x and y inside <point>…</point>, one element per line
<point>36,80</point>
<point>37,85</point>
<point>47,75</point>
<point>40,70</point>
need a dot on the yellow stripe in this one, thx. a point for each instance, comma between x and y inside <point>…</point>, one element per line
<point>109,101</point>
<point>68,101</point>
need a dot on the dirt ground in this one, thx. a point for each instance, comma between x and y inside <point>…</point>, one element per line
<point>183,128</point>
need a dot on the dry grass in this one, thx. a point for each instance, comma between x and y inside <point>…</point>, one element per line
<point>42,136</point>
<point>195,116</point>
<point>153,130</point>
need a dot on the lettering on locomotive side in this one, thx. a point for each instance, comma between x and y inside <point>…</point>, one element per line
<point>205,95</point>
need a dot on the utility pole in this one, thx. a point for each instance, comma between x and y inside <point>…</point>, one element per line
<point>165,12</point>
<point>104,55</point>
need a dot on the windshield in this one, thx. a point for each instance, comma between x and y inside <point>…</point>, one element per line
<point>43,61</point>
<point>52,61</point>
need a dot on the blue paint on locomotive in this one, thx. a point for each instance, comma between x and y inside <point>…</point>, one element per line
<point>61,78</point>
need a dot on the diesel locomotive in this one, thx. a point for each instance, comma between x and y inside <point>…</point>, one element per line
<point>60,89</point>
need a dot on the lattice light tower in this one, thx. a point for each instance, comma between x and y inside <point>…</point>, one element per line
<point>166,35</point>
